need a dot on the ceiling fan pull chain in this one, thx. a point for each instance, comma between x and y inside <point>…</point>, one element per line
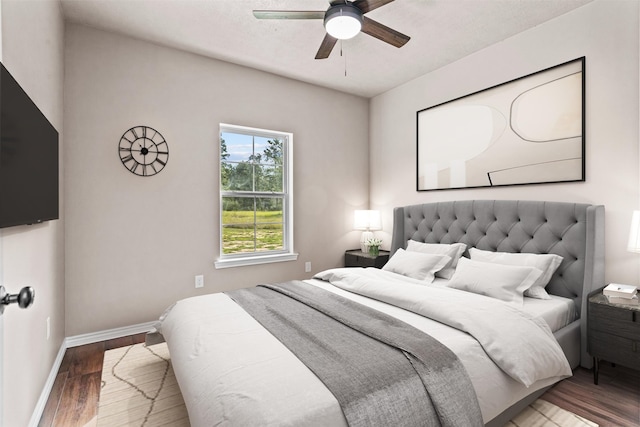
<point>345,59</point>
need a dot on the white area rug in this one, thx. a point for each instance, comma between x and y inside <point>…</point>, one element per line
<point>544,414</point>
<point>139,389</point>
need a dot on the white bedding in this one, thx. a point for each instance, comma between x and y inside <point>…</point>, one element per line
<point>558,311</point>
<point>232,371</point>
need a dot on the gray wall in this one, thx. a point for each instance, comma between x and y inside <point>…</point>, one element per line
<point>606,32</point>
<point>33,255</point>
<point>134,244</point>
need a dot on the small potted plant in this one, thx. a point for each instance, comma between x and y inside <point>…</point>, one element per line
<point>374,246</point>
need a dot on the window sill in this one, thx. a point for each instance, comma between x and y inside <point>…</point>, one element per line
<point>255,260</point>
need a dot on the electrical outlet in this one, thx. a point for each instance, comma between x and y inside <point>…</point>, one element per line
<point>307,267</point>
<point>199,281</point>
<point>48,327</point>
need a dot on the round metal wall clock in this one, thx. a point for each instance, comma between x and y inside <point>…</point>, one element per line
<point>143,151</point>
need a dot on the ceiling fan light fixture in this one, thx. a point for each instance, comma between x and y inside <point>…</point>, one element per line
<point>343,21</point>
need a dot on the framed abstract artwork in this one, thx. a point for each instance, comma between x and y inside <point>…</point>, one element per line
<point>529,130</point>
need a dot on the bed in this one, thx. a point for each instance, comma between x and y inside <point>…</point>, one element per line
<point>233,371</point>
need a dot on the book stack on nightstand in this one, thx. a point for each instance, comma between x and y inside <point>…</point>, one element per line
<point>621,294</point>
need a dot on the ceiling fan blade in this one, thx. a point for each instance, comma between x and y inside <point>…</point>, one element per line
<point>288,14</point>
<point>326,47</point>
<point>384,33</point>
<point>369,5</point>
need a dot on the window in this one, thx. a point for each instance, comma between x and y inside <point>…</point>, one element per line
<point>256,208</point>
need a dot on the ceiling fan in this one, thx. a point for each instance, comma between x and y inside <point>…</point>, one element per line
<point>343,20</point>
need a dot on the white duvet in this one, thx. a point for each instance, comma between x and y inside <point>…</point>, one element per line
<point>233,372</point>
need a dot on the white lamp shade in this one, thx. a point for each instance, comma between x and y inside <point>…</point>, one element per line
<point>343,27</point>
<point>343,21</point>
<point>368,220</point>
<point>634,233</point>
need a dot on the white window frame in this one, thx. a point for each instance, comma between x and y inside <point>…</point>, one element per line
<point>265,257</point>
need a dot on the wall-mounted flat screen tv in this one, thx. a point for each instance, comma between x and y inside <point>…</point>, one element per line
<point>28,158</point>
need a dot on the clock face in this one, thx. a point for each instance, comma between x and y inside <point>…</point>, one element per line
<point>143,151</point>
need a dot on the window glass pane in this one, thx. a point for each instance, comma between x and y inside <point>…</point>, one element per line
<point>237,239</point>
<point>269,178</point>
<point>237,147</point>
<point>238,211</point>
<point>268,151</point>
<point>226,170</point>
<point>269,210</point>
<point>269,224</point>
<point>269,237</point>
<point>238,225</point>
<point>237,176</point>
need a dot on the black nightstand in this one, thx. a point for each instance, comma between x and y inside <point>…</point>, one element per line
<point>613,333</point>
<point>357,258</point>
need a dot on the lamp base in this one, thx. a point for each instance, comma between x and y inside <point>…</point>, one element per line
<point>366,235</point>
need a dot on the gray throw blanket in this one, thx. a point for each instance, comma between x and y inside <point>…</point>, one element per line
<point>382,371</point>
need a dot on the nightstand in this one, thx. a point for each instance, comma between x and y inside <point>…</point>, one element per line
<point>357,258</point>
<point>613,333</point>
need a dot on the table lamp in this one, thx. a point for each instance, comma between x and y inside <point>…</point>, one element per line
<point>634,233</point>
<point>367,221</point>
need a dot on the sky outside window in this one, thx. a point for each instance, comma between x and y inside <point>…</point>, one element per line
<point>240,147</point>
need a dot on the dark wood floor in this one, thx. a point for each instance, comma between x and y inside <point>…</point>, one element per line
<point>73,401</point>
<point>614,402</point>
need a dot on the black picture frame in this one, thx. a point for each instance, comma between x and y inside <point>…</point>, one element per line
<point>530,130</point>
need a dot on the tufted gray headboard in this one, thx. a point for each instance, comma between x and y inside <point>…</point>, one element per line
<point>574,231</point>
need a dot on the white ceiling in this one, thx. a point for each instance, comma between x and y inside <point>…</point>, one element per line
<point>441,31</point>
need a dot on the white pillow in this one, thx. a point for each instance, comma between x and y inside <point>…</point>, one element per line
<point>454,251</point>
<point>416,265</point>
<point>548,263</point>
<point>504,282</point>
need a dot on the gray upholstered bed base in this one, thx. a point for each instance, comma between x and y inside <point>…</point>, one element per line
<point>574,231</point>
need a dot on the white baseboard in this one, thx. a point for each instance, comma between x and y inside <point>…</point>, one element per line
<point>48,385</point>
<point>109,334</point>
<point>75,341</point>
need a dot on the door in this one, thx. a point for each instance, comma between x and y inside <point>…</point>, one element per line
<point>1,344</point>
<point>1,283</point>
